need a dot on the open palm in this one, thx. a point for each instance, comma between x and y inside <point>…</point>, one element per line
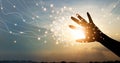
<point>92,32</point>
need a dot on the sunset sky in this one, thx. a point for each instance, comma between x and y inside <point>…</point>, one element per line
<point>39,30</point>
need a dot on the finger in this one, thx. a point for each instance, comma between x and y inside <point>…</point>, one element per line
<point>90,19</point>
<point>81,18</point>
<point>77,21</point>
<point>72,27</point>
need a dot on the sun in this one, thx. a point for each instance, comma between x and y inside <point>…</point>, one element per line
<point>61,31</point>
<point>77,34</point>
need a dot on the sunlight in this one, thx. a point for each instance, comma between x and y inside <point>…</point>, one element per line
<point>63,33</point>
<point>77,34</point>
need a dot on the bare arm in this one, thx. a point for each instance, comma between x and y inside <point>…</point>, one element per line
<point>111,44</point>
<point>93,33</point>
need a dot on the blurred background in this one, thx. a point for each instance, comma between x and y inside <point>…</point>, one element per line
<point>38,29</point>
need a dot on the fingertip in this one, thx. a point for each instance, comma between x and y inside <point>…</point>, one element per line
<point>71,17</point>
<point>77,14</point>
<point>87,12</point>
<point>72,27</point>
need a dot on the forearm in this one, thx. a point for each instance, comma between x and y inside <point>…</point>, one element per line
<point>111,44</point>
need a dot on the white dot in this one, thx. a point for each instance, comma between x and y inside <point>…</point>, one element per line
<point>44,9</point>
<point>37,4</point>
<point>1,8</point>
<point>39,30</point>
<point>14,6</point>
<point>51,5</point>
<point>15,24</point>
<point>46,32</point>
<point>10,32</point>
<point>57,42</point>
<point>21,32</point>
<point>15,41</point>
<point>38,38</point>
<point>64,7</point>
<point>24,20</point>
<point>37,16</point>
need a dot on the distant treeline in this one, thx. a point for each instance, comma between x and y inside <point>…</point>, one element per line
<point>15,61</point>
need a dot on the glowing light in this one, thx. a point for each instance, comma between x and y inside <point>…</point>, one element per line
<point>10,32</point>
<point>39,30</point>
<point>24,20</point>
<point>37,4</point>
<point>38,38</point>
<point>60,28</point>
<point>1,8</point>
<point>46,32</point>
<point>15,41</point>
<point>64,7</point>
<point>44,9</point>
<point>21,32</point>
<point>51,5</point>
<point>14,6</point>
<point>37,16</point>
<point>15,24</point>
<point>78,34</point>
<point>57,42</point>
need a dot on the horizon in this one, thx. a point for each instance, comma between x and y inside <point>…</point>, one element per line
<point>38,30</point>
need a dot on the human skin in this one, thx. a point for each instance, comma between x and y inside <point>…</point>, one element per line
<point>93,34</point>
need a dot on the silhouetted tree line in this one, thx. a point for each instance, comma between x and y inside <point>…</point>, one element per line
<point>5,61</point>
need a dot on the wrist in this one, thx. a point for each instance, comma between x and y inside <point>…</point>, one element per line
<point>103,38</point>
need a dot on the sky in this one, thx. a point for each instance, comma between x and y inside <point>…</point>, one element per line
<point>38,29</point>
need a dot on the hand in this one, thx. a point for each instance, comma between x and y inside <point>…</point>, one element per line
<point>92,32</point>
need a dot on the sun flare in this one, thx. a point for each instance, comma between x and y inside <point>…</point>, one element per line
<point>62,32</point>
<point>77,34</point>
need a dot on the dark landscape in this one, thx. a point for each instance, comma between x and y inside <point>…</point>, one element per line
<point>22,61</point>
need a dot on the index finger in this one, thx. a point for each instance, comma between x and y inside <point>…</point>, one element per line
<point>78,21</point>
<point>89,17</point>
